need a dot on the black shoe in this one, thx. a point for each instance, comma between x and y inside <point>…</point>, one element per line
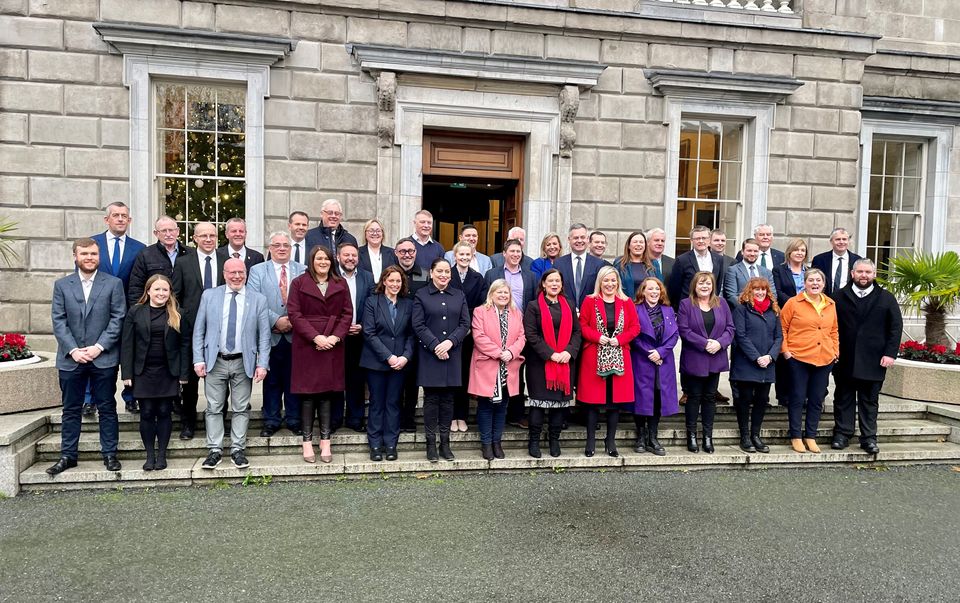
<point>160,463</point>
<point>533,448</point>
<point>432,455</point>
<point>839,442</point>
<point>654,446</point>
<point>498,451</point>
<point>132,406</point>
<point>239,461</point>
<point>150,463</point>
<point>88,410</point>
<point>870,447</point>
<point>295,429</point>
<point>266,432</point>
<point>111,463</point>
<point>391,454</point>
<point>708,443</point>
<point>746,444</point>
<point>62,465</point>
<point>611,450</point>
<point>376,455</point>
<point>588,452</point>
<point>186,434</point>
<point>445,451</point>
<point>487,451</point>
<point>692,441</point>
<point>212,461</point>
<point>358,428</point>
<point>759,444</point>
<point>555,446</point>
<point>638,446</point>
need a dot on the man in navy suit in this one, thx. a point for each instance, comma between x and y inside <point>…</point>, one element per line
<point>231,352</point>
<point>837,263</point>
<point>360,282</point>
<point>699,259</point>
<point>578,268</point>
<point>272,280</point>
<point>662,264</point>
<point>769,257</point>
<point>236,247</point>
<point>518,233</point>
<point>118,252</point>
<point>87,312</point>
<point>737,276</point>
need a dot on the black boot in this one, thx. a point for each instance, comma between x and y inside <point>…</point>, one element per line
<point>498,451</point>
<point>708,440</point>
<point>743,424</point>
<point>533,433</point>
<point>445,451</point>
<point>554,442</point>
<point>746,444</point>
<point>150,463</point>
<point>692,441</point>
<point>652,444</point>
<point>487,451</point>
<point>432,455</point>
<point>759,444</point>
<point>638,446</point>
<point>161,461</point>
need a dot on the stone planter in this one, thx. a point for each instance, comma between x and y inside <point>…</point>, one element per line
<point>923,381</point>
<point>29,386</point>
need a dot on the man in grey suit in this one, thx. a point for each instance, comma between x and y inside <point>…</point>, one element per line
<point>87,312</point>
<point>741,272</point>
<point>272,280</point>
<point>231,348</point>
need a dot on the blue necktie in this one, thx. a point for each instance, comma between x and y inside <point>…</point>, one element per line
<point>657,269</point>
<point>578,277</point>
<point>208,274</point>
<point>115,262</point>
<point>232,323</point>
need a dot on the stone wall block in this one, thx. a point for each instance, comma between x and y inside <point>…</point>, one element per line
<point>818,67</point>
<point>374,31</point>
<point>848,173</point>
<point>769,63</point>
<point>318,86</point>
<point>97,100</point>
<point>80,35</point>
<point>79,224</point>
<point>334,57</point>
<point>31,160</point>
<point>13,190</point>
<point>642,190</point>
<point>290,114</point>
<point>13,63</point>
<point>684,57</point>
<point>54,129</point>
<point>111,70</point>
<point>635,82</point>
<point>571,47</point>
<point>346,118</point>
<point>74,9</point>
<point>357,206</point>
<point>51,255</point>
<point>61,192</point>
<point>611,80</point>
<point>290,174</point>
<point>598,134</point>
<point>644,136</point>
<point>839,95</point>
<point>361,148</point>
<point>853,70</point>
<point>590,188</point>
<point>805,94</point>
<point>41,318</point>
<point>721,59</point>
<point>305,56</point>
<point>631,163</point>
<point>13,127</point>
<point>361,89</point>
<point>837,147</point>
<point>325,28</point>
<point>32,97</point>
<point>584,161</point>
<point>115,133</point>
<point>316,145</point>
<point>261,21</point>
<point>802,223</point>
<point>619,52</point>
<point>28,287</point>
<point>280,83</point>
<point>276,203</point>
<point>785,196</point>
<point>198,15</point>
<point>111,190</point>
<point>434,36</point>
<point>102,163</point>
<point>31,33</point>
<point>779,169</point>
<point>33,223</point>
<point>476,40</point>
<point>432,8</point>
<point>537,17</point>
<point>620,216</point>
<point>849,122</point>
<point>156,12</point>
<point>15,318</point>
<point>835,198</point>
<point>795,144</point>
<point>518,43</point>
<point>813,171</point>
<point>622,108</point>
<point>347,177</point>
<point>276,144</point>
<point>816,119</point>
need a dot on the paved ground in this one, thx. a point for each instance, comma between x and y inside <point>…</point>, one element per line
<point>810,534</point>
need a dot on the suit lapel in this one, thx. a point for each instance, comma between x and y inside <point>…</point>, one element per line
<point>94,293</point>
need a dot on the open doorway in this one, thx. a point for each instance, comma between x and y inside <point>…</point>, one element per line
<point>473,178</point>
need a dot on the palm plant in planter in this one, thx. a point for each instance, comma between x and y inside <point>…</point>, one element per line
<point>928,284</point>
<point>7,252</point>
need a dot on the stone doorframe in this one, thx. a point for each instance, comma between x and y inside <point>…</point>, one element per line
<point>545,120</point>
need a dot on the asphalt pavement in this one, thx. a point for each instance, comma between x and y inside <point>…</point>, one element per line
<point>845,534</point>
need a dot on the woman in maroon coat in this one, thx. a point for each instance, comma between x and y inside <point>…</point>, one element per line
<point>320,309</point>
<point>608,321</point>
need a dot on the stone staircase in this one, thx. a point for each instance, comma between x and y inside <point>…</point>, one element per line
<point>909,433</point>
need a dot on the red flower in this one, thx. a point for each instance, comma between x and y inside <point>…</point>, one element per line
<point>6,356</point>
<point>938,349</point>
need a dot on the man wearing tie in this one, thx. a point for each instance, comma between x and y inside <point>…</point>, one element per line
<point>195,272</point>
<point>837,262</point>
<point>231,352</point>
<point>360,283</point>
<point>156,259</point>
<point>119,251</point>
<point>769,257</point>
<point>740,273</point>
<point>662,264</point>
<point>236,247</point>
<point>272,280</point>
<point>298,224</point>
<point>87,313</point>
<point>578,268</point>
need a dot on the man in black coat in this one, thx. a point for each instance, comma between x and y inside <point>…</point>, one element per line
<point>870,324</point>
<point>236,247</point>
<point>156,259</point>
<point>578,268</point>
<point>329,232</point>
<point>837,263</point>
<point>699,259</point>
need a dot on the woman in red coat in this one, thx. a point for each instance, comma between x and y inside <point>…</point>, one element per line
<point>320,309</point>
<point>609,323</point>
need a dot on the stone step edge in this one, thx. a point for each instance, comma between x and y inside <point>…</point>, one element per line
<point>187,471</point>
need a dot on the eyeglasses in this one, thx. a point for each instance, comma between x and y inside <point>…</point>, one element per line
<point>327,212</point>
<point>280,245</point>
<point>205,236</point>
<point>405,251</point>
<point>374,231</point>
<point>167,230</point>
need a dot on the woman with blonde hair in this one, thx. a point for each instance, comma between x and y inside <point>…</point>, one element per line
<point>550,249</point>
<point>498,341</point>
<point>608,321</point>
<point>788,280</point>
<point>373,254</point>
<point>154,360</point>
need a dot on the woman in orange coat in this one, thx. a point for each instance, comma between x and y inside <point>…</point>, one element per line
<point>609,323</point>
<point>811,345</point>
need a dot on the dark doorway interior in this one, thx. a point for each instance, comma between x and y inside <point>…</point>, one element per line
<point>455,201</point>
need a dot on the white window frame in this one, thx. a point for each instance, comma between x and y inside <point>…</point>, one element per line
<point>938,140</point>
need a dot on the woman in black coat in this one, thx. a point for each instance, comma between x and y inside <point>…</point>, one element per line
<point>154,360</point>
<point>553,345</point>
<point>441,320</point>
<point>387,349</point>
<point>758,337</point>
<point>474,289</point>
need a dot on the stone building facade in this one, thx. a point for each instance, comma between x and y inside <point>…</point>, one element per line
<point>622,114</point>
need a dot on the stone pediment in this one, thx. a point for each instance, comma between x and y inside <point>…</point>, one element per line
<point>717,85</point>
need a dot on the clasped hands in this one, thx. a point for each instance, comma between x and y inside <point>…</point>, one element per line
<point>442,351</point>
<point>325,342</point>
<point>713,346</point>
<point>85,355</point>
<point>604,340</point>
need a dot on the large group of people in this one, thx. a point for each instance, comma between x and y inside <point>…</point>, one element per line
<point>323,319</point>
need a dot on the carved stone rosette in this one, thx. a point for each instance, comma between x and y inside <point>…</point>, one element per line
<point>386,103</point>
<point>569,104</point>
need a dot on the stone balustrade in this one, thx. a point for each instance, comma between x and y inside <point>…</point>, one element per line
<point>769,6</point>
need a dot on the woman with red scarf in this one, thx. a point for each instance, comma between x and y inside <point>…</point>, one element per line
<point>553,339</point>
<point>608,320</point>
<point>757,340</point>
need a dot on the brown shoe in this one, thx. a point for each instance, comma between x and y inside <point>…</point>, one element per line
<point>797,445</point>
<point>718,397</point>
<point>811,445</point>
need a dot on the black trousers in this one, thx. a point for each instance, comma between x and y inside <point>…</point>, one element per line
<point>356,381</point>
<point>750,403</point>
<point>783,386</point>
<point>437,411</point>
<point>555,418</point>
<point>318,405</point>
<point>856,397</point>
<point>652,424</point>
<point>156,423</point>
<point>189,393</point>
<point>701,400</point>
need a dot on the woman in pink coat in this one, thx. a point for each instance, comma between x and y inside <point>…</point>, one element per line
<point>498,341</point>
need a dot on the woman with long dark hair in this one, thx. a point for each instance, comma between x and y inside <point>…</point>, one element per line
<point>634,265</point>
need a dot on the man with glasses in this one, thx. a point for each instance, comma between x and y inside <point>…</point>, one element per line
<point>417,278</point>
<point>329,232</point>
<point>699,259</point>
<point>769,257</point>
<point>156,259</point>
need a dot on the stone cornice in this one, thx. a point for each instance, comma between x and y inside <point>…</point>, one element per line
<point>377,59</point>
<point>194,44</point>
<point>721,85</point>
<point>912,109</point>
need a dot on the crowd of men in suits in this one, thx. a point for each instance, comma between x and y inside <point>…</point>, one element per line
<point>232,293</point>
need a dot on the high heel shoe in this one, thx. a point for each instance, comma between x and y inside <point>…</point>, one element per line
<point>811,445</point>
<point>611,451</point>
<point>692,441</point>
<point>308,454</point>
<point>588,452</point>
<point>325,455</point>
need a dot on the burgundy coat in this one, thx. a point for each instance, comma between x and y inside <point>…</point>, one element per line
<point>694,359</point>
<point>591,388</point>
<point>645,372</point>
<point>315,314</point>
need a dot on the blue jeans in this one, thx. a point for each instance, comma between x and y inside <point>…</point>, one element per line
<point>808,388</point>
<point>103,388</point>
<point>490,419</point>
<point>383,424</point>
<point>276,389</point>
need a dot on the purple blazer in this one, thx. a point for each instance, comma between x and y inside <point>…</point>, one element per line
<point>644,371</point>
<point>694,359</point>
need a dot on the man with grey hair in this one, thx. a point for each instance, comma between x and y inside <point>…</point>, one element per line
<point>769,258</point>
<point>156,259</point>
<point>656,244</point>
<point>236,247</point>
<point>330,231</point>
<point>422,237</point>
<point>837,262</point>
<point>870,323</point>
<point>519,234</point>
<point>701,258</point>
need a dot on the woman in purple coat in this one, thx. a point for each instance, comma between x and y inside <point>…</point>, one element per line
<point>706,330</point>
<point>654,370</point>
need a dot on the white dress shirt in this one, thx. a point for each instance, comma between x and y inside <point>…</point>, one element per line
<point>111,242</point>
<point>294,246</point>
<point>351,281</point>
<point>242,252</point>
<point>845,273</point>
<point>863,292</point>
<point>202,258</point>
<point>376,262</point>
<point>87,285</point>
<point>225,316</point>
<point>704,262</point>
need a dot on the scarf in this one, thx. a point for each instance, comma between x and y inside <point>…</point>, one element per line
<point>609,357</point>
<point>558,375</point>
<point>762,306</point>
<point>501,386</point>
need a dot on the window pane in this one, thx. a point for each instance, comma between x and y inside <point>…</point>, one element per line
<point>710,140</point>
<point>893,164</point>
<point>689,139</point>
<point>876,190</point>
<point>171,151</point>
<point>688,179</point>
<point>905,232</point>
<point>201,108</point>
<point>910,202</point>
<point>201,200</point>
<point>891,193</point>
<point>173,196</point>
<point>730,180</point>
<point>708,180</point>
<point>876,157</point>
<point>230,155</point>
<point>201,154</point>
<point>232,198</point>
<point>170,105</point>
<point>231,110</point>
<point>912,165</point>
<point>732,142</point>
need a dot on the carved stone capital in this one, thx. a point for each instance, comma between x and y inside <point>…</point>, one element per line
<point>569,105</point>
<point>386,103</point>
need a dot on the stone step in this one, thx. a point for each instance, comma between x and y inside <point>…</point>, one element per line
<point>348,441</point>
<point>187,471</point>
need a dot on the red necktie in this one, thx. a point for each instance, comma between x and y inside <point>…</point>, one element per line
<point>283,284</point>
